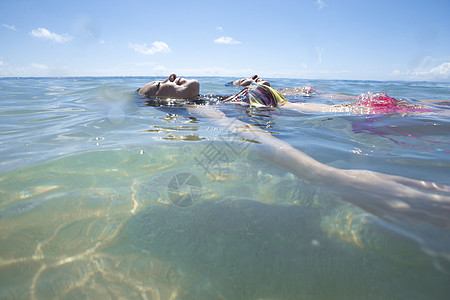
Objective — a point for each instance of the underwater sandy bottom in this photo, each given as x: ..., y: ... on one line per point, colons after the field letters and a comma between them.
x: 150, y: 223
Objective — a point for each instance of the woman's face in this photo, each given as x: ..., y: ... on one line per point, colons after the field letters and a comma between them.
x: 172, y: 87
x: 248, y: 81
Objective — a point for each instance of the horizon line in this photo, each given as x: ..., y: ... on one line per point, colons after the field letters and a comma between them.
x: 210, y: 76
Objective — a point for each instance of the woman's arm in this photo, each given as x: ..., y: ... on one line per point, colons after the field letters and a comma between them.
x: 308, y: 91
x: 381, y: 194
x: 306, y: 106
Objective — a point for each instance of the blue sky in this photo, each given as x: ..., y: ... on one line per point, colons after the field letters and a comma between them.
x: 315, y: 39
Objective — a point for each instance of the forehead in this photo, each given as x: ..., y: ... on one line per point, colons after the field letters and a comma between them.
x: 152, y: 86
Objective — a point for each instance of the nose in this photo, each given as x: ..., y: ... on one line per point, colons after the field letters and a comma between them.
x: 171, y: 78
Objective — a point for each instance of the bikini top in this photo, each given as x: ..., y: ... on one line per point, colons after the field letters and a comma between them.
x: 258, y: 95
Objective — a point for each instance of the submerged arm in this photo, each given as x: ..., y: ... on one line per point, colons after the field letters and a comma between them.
x: 381, y: 194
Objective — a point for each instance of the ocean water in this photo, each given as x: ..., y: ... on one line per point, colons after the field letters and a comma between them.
x: 103, y: 196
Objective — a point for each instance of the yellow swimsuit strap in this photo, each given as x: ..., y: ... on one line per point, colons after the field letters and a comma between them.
x: 264, y: 96
x: 276, y: 95
x: 258, y: 95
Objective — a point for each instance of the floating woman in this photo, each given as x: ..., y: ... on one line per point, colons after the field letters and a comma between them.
x: 386, y: 196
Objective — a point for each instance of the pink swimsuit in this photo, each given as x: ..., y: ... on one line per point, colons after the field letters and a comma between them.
x: 382, y: 103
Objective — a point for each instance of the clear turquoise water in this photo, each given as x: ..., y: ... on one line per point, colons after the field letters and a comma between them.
x: 103, y: 196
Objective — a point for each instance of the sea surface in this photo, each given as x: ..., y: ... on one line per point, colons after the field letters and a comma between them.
x: 105, y: 197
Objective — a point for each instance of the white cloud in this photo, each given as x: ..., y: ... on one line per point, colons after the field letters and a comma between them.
x: 43, y: 33
x: 10, y: 27
x: 39, y: 66
x: 226, y: 40
x: 33, y: 69
x: 220, y: 28
x: 320, y: 4
x: 157, y: 47
x: 440, y: 72
x: 159, y: 68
